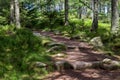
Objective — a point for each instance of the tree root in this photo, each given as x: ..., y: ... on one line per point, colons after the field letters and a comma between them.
x: 106, y: 64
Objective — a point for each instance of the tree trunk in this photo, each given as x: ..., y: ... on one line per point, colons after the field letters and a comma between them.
x: 61, y: 5
x: 12, y: 12
x: 100, y: 7
x: 95, y: 16
x: 80, y: 12
x: 66, y: 12
x: 114, y: 18
x: 17, y: 14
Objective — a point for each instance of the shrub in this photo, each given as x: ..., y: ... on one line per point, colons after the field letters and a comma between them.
x: 26, y: 40
x: 18, y: 50
x: 3, y: 20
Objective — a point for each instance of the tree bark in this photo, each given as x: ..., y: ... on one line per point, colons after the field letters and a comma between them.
x: 61, y: 5
x: 80, y: 12
x: 12, y: 12
x: 95, y: 16
x: 66, y: 12
x: 114, y: 18
x: 17, y: 14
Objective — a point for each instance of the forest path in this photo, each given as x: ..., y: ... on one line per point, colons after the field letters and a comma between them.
x: 82, y: 52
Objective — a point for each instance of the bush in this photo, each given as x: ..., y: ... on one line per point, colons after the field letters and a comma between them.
x: 6, y: 29
x: 18, y: 51
x: 20, y: 39
x: 26, y: 40
x: 3, y: 20
x: 41, y: 20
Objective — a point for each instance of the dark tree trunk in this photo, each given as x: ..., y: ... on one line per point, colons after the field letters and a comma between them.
x: 95, y: 16
x: 114, y: 18
x: 80, y: 12
x: 100, y: 7
x: 66, y: 12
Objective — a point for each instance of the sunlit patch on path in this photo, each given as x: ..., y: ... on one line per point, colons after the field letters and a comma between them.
x: 81, y: 51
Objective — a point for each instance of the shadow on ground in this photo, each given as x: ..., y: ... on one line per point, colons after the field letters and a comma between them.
x: 82, y: 52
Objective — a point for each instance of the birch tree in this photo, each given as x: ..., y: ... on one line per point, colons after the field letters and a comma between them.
x: 12, y: 12
x: 17, y: 14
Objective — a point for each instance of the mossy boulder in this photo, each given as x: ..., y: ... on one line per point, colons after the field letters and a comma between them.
x: 96, y: 42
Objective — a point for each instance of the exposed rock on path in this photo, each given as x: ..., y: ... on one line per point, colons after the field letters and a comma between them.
x: 81, y: 51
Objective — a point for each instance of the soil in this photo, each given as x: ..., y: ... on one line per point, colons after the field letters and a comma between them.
x: 82, y: 51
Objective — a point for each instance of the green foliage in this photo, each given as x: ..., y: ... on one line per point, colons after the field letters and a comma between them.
x: 81, y: 28
x: 3, y: 20
x: 21, y: 39
x: 77, y: 22
x: 114, y: 45
x: 27, y: 40
x: 29, y: 17
x: 6, y: 29
x: 88, y: 23
x: 18, y: 50
x: 50, y: 19
x: 75, y: 25
x: 34, y: 18
x: 12, y: 76
x: 4, y: 12
x: 104, y: 18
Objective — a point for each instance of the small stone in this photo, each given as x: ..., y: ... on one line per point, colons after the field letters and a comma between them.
x: 106, y: 60
x: 37, y: 34
x: 60, y: 65
x: 40, y: 64
x: 59, y: 55
x: 96, y: 42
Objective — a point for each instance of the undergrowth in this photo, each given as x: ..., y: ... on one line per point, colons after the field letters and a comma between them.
x: 81, y: 28
x: 18, y: 49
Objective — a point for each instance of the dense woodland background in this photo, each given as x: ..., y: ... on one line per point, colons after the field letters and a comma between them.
x: 83, y: 19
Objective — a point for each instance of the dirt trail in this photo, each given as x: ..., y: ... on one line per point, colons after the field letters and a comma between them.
x: 82, y: 52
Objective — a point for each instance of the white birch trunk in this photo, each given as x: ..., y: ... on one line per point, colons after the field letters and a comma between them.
x: 12, y: 12
x: 17, y: 14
